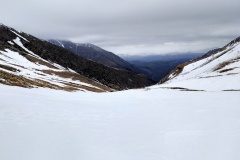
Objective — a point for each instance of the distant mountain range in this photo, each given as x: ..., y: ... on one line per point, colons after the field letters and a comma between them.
x: 31, y: 62
x: 153, y: 66
x: 162, y: 57
x: 28, y: 61
x: 94, y: 53
x: 158, y: 66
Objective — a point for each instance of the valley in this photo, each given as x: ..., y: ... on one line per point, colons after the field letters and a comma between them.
x: 57, y: 105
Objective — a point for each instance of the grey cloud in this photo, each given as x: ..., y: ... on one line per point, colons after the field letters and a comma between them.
x: 129, y: 27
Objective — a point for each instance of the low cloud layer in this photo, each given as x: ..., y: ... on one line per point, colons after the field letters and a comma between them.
x: 129, y: 27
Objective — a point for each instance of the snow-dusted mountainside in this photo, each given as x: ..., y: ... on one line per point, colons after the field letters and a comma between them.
x: 30, y: 62
x: 32, y: 71
x: 21, y: 67
x: 217, y: 70
x: 94, y: 53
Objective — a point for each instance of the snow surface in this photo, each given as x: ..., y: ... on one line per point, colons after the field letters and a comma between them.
x: 19, y: 35
x: 10, y: 42
x: 150, y: 124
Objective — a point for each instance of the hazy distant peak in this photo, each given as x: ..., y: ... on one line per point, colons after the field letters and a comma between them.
x: 89, y: 45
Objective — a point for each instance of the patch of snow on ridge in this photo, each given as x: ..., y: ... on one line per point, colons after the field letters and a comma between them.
x: 71, y: 70
x: 58, y: 66
x: 60, y: 43
x: 10, y: 42
x: 19, y: 35
x: 19, y: 43
x: 15, y: 58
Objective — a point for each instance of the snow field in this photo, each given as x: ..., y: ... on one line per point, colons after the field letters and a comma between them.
x: 44, y: 124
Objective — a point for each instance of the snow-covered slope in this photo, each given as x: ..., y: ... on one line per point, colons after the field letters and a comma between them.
x: 29, y: 62
x: 43, y: 72
x: 219, y: 71
x: 158, y: 124
x: 21, y: 67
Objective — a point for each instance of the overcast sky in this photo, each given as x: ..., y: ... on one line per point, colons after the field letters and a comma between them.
x: 129, y: 26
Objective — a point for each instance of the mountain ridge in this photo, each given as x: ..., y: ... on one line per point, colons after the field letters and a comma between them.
x: 220, y: 66
x: 94, y: 53
x: 28, y: 45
